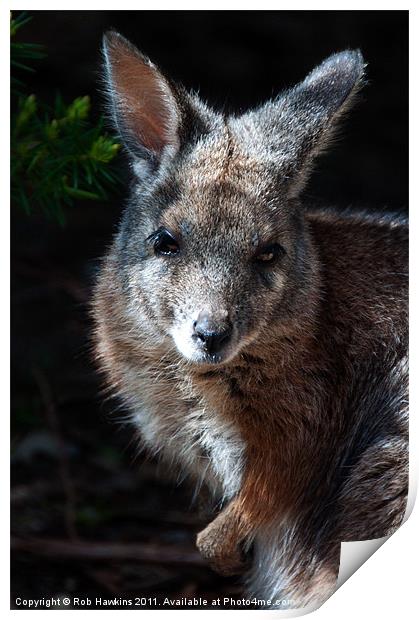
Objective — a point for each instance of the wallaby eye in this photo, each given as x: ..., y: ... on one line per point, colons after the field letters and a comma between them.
x: 269, y: 254
x: 164, y: 243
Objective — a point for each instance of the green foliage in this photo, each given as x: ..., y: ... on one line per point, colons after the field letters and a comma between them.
x: 20, y: 53
x: 58, y: 155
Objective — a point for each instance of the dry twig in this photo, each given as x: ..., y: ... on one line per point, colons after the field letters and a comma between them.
x: 142, y: 552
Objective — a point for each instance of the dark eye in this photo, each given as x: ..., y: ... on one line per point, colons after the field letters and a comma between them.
x: 269, y: 254
x: 164, y: 243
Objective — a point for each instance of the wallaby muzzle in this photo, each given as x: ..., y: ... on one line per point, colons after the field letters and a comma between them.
x: 211, y: 333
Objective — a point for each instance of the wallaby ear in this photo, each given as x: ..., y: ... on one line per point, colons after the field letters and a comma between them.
x: 329, y: 88
x: 298, y: 125
x: 143, y: 105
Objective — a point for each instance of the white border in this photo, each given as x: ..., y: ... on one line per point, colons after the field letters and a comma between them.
x: 386, y: 585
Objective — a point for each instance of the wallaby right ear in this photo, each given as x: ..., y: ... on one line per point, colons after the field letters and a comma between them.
x: 143, y: 104
x: 299, y: 124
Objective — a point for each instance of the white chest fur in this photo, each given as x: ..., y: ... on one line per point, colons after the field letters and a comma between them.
x: 204, y: 445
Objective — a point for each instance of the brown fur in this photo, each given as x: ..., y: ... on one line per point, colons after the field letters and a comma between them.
x: 313, y: 388
x: 293, y: 445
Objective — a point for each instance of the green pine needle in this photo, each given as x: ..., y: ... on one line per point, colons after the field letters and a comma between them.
x: 58, y: 155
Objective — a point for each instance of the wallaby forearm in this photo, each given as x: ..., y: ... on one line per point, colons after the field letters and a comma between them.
x: 222, y: 542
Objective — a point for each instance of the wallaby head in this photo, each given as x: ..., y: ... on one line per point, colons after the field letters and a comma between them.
x: 213, y: 247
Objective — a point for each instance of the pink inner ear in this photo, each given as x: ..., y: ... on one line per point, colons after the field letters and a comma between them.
x: 146, y: 103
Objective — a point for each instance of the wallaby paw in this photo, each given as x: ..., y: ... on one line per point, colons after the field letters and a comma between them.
x: 226, y: 560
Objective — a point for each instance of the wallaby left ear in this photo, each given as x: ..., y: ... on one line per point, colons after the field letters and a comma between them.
x: 297, y: 125
x: 143, y: 104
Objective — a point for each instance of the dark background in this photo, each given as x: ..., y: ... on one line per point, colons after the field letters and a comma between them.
x: 77, y: 479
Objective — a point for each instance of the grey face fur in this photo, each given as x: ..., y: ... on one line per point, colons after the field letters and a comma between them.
x: 212, y: 248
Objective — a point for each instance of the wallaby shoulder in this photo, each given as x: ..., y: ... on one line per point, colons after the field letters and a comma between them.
x: 364, y: 265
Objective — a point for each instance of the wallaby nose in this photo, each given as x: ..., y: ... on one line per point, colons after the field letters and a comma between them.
x: 212, y: 333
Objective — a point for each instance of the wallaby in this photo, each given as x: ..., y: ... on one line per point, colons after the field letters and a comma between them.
x: 258, y: 344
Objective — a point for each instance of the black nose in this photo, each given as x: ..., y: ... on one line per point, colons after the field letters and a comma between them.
x: 211, y: 333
